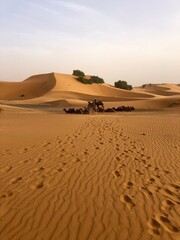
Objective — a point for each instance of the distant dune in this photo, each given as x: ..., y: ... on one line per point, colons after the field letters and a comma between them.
x: 160, y: 89
x: 66, y: 90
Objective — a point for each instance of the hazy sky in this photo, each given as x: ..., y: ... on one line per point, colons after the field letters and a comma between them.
x: 133, y: 40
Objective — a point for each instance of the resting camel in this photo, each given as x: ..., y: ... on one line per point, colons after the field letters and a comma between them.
x: 124, y: 109
x: 77, y: 111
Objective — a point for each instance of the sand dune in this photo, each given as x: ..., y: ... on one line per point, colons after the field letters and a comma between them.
x: 32, y: 87
x: 55, y: 86
x: 89, y: 177
x: 64, y: 90
x: 160, y: 89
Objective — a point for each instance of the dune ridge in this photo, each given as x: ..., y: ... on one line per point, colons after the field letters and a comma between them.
x: 160, y: 89
x: 32, y: 87
x: 65, y: 90
x: 54, y: 85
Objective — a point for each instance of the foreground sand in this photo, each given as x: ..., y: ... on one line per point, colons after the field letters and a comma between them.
x: 106, y: 176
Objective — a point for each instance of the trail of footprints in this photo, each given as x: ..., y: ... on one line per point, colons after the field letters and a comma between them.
x: 123, y: 147
x: 149, y: 186
x: 44, y: 169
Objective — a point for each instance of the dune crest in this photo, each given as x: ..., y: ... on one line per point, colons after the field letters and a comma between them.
x: 33, y: 87
x: 64, y: 90
x: 56, y: 86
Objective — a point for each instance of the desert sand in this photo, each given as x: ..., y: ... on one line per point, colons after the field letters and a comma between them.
x: 98, y: 176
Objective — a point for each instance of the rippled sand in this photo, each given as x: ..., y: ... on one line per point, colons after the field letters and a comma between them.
x: 102, y: 176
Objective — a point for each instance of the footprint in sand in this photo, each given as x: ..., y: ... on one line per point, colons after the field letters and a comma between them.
x: 128, y: 201
x: 117, y: 159
x: 15, y: 180
x: 39, y: 169
x: 37, y: 160
x: 37, y: 185
x: 154, y: 228
x: 167, y: 205
x: 85, y: 153
x: 121, y: 166
x: 6, y: 169
x: 167, y: 225
x: 143, y: 161
x: 56, y: 170
x: 24, y: 150
x: 46, y: 144
x: 116, y: 174
x: 128, y: 185
x: 77, y: 160
x: 176, y: 187
x: 150, y: 181
x: 138, y: 172
x: 146, y: 191
x: 6, y: 194
x: 170, y: 193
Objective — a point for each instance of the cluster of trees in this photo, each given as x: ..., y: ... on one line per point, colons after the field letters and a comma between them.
x: 95, y: 79
x: 123, y: 85
x: 81, y: 77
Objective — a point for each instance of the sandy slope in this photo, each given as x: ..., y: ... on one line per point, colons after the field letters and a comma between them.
x: 32, y: 87
x: 55, y: 86
x: 159, y: 89
x: 89, y: 177
x: 64, y: 90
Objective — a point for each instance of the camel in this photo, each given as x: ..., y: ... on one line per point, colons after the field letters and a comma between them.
x: 92, y: 106
x: 100, y: 105
x: 109, y: 110
x: 76, y: 111
x: 95, y: 105
x: 124, y: 109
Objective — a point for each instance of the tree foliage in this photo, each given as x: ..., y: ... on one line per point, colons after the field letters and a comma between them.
x: 78, y: 73
x: 96, y: 79
x: 123, y: 85
x: 93, y: 79
x: 81, y: 77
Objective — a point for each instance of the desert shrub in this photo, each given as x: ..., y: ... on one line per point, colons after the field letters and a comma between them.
x: 83, y: 80
x: 123, y: 85
x: 96, y: 79
x: 93, y: 79
x: 78, y: 73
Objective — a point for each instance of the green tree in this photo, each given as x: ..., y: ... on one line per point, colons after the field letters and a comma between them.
x: 93, y: 79
x: 78, y: 73
x: 123, y: 85
x: 96, y: 79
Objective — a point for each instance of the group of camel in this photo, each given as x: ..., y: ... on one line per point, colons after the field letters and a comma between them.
x: 97, y: 106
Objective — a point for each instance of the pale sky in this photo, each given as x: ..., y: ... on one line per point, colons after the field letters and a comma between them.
x: 133, y: 40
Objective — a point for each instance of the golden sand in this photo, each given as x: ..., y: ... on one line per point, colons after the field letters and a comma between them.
x: 87, y: 177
